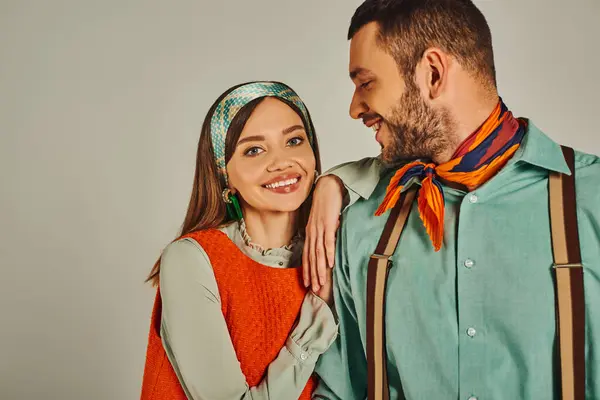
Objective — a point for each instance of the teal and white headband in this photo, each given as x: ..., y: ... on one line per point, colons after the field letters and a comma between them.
x: 231, y: 104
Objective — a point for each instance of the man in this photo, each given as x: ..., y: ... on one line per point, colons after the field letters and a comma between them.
x: 470, y: 302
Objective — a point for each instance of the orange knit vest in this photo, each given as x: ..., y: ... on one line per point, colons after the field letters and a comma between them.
x: 260, y: 305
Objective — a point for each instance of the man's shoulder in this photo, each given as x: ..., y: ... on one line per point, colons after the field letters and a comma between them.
x: 359, y: 218
x: 587, y: 171
x: 585, y: 160
x: 376, y: 193
x: 363, y: 163
x: 587, y: 181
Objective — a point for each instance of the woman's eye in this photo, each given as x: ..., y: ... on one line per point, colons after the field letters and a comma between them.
x: 253, y: 151
x: 295, y: 141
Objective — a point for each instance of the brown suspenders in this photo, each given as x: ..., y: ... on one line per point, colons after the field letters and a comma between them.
x: 379, y: 265
x: 568, y: 287
x: 570, y: 310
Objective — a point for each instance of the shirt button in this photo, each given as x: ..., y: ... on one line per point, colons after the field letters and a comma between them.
x: 280, y: 263
x: 472, y: 398
x: 471, y: 332
x: 303, y: 356
x: 469, y: 263
x: 473, y: 198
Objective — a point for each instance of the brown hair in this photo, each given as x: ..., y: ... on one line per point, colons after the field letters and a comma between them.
x: 206, y: 209
x: 409, y: 27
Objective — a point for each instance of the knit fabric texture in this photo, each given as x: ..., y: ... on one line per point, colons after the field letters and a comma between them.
x: 260, y: 305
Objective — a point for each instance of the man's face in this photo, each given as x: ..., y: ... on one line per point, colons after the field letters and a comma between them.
x: 406, y: 126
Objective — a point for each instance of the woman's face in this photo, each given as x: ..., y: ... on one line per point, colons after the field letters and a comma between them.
x: 273, y: 165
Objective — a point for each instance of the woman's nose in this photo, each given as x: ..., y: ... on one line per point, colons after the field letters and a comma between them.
x: 279, y: 163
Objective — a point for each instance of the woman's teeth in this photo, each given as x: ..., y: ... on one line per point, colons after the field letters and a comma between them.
x: 288, y: 182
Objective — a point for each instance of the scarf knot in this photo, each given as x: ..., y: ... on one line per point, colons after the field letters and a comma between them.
x: 477, y: 159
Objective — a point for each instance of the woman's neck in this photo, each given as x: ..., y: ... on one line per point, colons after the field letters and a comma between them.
x: 271, y: 229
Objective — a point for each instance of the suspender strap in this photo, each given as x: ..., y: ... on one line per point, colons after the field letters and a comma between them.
x: 379, y: 265
x: 570, y: 311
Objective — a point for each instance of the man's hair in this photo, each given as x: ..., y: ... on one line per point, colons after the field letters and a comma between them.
x: 409, y: 27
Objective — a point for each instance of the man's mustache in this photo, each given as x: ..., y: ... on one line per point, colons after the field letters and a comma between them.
x: 368, y: 118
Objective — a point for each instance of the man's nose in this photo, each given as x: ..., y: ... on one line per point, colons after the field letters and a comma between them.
x: 357, y: 106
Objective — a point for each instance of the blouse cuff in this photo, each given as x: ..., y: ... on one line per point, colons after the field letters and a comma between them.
x: 316, y: 330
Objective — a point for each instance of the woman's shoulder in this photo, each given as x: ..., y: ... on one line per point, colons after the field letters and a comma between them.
x: 185, y: 259
x: 219, y: 233
x: 184, y: 249
x: 195, y: 246
x: 186, y: 270
x: 196, y: 239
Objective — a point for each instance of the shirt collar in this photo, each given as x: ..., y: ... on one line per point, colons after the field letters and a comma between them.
x: 539, y: 150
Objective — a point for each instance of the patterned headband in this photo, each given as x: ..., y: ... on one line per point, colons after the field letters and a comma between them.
x: 232, y: 103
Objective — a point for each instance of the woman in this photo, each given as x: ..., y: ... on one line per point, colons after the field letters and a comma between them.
x: 232, y: 319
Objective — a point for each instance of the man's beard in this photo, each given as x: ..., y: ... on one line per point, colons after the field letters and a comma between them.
x: 417, y: 130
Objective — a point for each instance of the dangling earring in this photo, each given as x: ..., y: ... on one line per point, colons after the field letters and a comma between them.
x: 227, y: 195
x: 316, y: 177
x: 232, y: 205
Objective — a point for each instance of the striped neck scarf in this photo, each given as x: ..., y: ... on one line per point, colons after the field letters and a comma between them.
x: 477, y: 159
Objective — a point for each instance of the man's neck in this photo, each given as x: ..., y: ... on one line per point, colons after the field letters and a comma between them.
x: 468, y: 116
x: 270, y: 229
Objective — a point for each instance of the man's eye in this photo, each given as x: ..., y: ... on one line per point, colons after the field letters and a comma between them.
x: 366, y: 85
x: 253, y: 151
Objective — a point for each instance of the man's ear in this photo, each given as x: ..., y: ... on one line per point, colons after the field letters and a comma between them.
x: 433, y: 71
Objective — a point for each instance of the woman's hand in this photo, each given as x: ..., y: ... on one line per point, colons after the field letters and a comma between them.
x: 321, y: 229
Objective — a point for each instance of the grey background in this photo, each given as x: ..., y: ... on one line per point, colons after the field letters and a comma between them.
x: 101, y: 105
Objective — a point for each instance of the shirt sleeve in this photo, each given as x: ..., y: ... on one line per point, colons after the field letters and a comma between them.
x: 197, y: 341
x: 343, y: 368
x: 359, y: 177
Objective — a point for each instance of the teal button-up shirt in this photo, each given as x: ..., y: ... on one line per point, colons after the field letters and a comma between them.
x: 475, y: 320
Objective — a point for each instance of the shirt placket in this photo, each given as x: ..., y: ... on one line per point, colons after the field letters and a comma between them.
x: 469, y: 271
